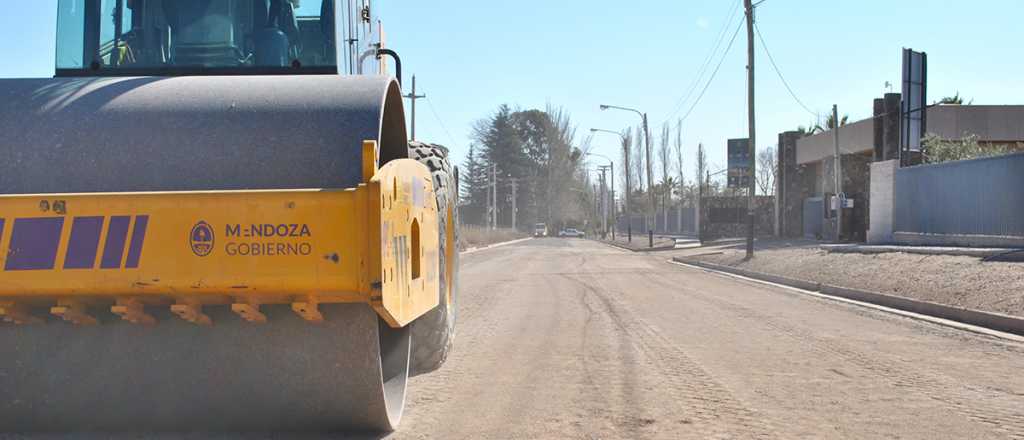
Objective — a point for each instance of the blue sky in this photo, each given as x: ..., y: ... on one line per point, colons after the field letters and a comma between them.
x: 471, y: 56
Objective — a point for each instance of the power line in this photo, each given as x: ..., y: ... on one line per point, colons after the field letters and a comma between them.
x: 707, y: 62
x: 439, y: 121
x: 779, y: 72
x: 715, y: 73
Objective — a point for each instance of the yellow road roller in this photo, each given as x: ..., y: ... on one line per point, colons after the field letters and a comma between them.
x: 211, y: 219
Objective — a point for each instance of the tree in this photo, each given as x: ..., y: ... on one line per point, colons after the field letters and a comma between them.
x: 937, y: 150
x: 679, y: 159
x: 667, y: 182
x: 627, y: 142
x: 568, y: 194
x: 954, y: 100
x: 702, y: 163
x: 767, y: 171
x: 473, y: 188
x: 638, y: 158
x: 830, y: 122
x: 536, y: 150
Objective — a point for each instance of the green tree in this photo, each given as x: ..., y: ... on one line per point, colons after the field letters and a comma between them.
x: 954, y: 100
x: 937, y: 150
x: 535, y: 151
x: 473, y: 188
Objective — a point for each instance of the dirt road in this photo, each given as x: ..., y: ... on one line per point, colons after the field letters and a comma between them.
x: 575, y: 339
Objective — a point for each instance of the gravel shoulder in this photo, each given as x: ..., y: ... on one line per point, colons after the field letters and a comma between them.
x: 960, y: 281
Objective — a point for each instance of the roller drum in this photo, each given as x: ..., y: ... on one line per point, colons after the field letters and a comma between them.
x: 347, y: 373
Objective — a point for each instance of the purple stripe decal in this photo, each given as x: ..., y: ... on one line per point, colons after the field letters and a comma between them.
x: 84, y: 242
x: 34, y: 243
x: 138, y: 237
x: 113, y: 250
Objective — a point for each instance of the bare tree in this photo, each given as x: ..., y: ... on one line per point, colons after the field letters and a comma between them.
x: 667, y: 182
x: 702, y: 163
x: 702, y: 168
x: 627, y: 173
x: 679, y: 158
x: 567, y: 187
x: 638, y: 158
x: 767, y: 170
x: 681, y: 184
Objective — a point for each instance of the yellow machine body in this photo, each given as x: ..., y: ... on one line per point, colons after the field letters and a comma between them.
x: 79, y: 255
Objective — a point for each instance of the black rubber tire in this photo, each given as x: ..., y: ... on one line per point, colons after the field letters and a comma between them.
x: 434, y: 332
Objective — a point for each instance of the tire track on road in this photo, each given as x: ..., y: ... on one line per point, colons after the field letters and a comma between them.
x: 713, y: 410
x: 1005, y: 416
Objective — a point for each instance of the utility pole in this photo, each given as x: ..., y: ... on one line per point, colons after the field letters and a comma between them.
x: 615, y: 218
x: 838, y: 171
x: 604, y: 200
x: 650, y: 176
x: 494, y: 196
x: 750, y: 126
x: 700, y: 205
x: 512, y: 181
x: 629, y: 189
x: 412, y: 96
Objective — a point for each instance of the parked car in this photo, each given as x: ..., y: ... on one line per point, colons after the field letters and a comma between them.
x: 571, y: 232
x: 540, y: 230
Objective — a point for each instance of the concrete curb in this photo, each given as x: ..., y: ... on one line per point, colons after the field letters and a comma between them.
x: 492, y: 246
x: 989, y: 320
x: 921, y: 250
x: 653, y: 249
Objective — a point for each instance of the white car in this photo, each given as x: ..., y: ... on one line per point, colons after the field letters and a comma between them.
x: 571, y: 232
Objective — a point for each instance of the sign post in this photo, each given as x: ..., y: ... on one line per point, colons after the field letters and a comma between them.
x: 913, y: 109
x: 739, y: 163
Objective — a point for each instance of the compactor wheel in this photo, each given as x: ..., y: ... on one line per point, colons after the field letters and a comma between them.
x: 288, y: 375
x: 433, y: 333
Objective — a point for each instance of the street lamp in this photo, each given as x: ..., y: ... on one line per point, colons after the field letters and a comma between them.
x: 626, y: 167
x: 626, y: 200
x: 647, y: 144
x: 611, y: 165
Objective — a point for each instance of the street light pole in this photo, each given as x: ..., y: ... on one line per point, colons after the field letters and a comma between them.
x: 604, y: 201
x: 650, y: 169
x: 611, y: 166
x: 625, y: 200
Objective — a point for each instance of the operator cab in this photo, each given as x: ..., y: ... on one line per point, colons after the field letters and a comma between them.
x: 205, y: 37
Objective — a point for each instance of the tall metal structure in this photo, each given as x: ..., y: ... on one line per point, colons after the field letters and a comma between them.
x: 913, y: 110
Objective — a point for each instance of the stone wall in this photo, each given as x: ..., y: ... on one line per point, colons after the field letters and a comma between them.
x: 726, y: 217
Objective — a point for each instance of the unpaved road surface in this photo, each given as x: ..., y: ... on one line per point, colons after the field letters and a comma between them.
x: 575, y: 339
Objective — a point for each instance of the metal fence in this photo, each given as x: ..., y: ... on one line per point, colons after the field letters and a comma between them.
x: 969, y: 202
x: 687, y: 225
x: 814, y: 217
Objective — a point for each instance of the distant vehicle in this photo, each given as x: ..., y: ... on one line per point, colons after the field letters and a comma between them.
x: 540, y: 230
x: 571, y: 232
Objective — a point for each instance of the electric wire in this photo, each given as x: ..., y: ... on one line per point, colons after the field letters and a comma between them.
x: 441, y: 122
x: 707, y: 62
x: 779, y: 72
x: 714, y: 73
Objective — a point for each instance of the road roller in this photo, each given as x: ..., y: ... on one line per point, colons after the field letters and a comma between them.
x: 212, y: 220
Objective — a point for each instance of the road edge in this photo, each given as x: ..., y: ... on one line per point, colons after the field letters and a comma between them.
x: 492, y: 246
x: 653, y: 249
x: 976, y: 321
